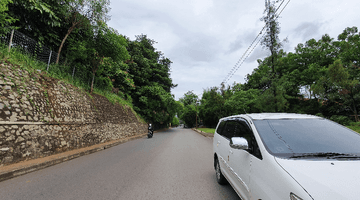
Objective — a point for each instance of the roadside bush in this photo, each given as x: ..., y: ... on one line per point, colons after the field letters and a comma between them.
x: 320, y: 115
x: 343, y: 120
x: 175, y: 122
x: 189, y: 115
x: 354, y: 123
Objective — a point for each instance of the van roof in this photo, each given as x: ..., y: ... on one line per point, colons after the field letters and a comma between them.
x: 262, y: 116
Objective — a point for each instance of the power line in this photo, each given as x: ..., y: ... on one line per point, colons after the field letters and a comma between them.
x: 256, y: 41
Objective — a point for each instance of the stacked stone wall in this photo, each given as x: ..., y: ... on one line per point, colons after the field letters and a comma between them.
x: 41, y: 116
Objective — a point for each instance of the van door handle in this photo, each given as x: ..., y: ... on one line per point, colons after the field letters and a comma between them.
x: 218, y: 142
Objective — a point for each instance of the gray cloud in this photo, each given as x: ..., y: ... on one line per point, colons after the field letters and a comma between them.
x: 307, y: 30
x: 236, y: 45
x: 258, y: 53
x: 197, y: 48
x: 242, y: 41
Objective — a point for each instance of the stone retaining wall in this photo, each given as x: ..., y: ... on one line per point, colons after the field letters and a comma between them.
x: 41, y: 116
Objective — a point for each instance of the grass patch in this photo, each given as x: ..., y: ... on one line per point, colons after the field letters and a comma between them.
x: 113, y: 98
x: 355, y: 126
x: 207, y: 130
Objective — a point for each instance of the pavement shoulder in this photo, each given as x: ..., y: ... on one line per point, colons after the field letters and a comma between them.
x: 203, y: 133
x: 24, y: 167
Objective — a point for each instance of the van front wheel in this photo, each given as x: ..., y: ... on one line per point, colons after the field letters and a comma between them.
x: 219, y: 176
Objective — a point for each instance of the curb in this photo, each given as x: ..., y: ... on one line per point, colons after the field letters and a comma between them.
x: 22, y: 168
x: 203, y: 133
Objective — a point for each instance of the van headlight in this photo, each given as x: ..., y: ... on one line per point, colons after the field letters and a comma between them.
x: 294, y: 197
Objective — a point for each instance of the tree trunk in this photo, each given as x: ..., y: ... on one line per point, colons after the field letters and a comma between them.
x: 95, y: 68
x: 63, y: 41
x: 356, y: 115
x: 92, y: 83
x: 61, y: 45
x: 355, y: 110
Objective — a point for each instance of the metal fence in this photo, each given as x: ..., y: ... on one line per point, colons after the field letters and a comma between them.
x: 16, y: 39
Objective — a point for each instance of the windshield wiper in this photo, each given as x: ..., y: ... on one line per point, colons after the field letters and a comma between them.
x: 325, y: 155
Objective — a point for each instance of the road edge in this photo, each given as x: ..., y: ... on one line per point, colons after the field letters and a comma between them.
x: 203, y: 133
x: 29, y: 166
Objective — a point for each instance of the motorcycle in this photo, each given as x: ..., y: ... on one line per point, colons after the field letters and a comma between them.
x: 150, y: 131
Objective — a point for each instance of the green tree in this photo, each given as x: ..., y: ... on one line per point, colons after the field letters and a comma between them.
x: 311, y: 61
x: 272, y: 42
x: 156, y: 105
x: 179, y: 108
x: 148, y: 65
x: 39, y: 19
x: 260, y: 78
x: 349, y: 50
x: 101, y: 56
x: 189, y: 98
x: 242, y: 102
x: 294, y: 71
x: 175, y: 122
x: 212, y: 105
x: 151, y: 74
x: 189, y: 115
x: 79, y: 53
x: 338, y: 86
x: 84, y: 13
x: 109, y: 57
x: 274, y: 93
x: 271, y: 39
x: 5, y: 19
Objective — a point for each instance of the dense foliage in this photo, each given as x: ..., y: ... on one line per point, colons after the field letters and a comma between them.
x: 5, y: 18
x: 97, y: 55
x: 189, y: 109
x: 320, y: 77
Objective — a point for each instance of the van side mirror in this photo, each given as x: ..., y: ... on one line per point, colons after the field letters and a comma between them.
x: 239, y: 143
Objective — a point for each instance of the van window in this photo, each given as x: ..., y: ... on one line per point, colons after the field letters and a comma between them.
x: 220, y: 128
x: 243, y: 130
x: 293, y: 137
x: 230, y: 129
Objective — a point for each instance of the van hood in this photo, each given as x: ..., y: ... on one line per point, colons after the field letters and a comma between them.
x: 325, y: 179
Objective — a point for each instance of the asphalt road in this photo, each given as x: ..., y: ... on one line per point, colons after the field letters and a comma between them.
x: 175, y: 164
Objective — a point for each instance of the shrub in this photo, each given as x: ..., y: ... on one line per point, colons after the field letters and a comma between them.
x: 320, y: 115
x: 175, y: 122
x: 343, y: 120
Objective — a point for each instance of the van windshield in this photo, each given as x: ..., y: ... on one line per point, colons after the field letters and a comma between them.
x: 299, y: 137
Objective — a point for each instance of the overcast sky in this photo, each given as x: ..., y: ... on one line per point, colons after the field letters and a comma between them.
x: 205, y: 38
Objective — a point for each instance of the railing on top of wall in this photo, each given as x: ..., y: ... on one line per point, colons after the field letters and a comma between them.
x: 29, y: 45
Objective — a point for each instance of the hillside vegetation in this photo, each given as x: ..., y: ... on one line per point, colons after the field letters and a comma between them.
x: 321, y: 77
x: 92, y: 55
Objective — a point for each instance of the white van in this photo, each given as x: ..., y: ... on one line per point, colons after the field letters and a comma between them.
x: 273, y: 156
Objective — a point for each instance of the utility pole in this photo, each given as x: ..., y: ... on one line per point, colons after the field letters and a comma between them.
x: 272, y: 42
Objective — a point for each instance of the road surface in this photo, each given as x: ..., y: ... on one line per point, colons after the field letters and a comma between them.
x: 174, y: 164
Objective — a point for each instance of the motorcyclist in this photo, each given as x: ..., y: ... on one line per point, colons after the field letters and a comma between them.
x: 151, y: 130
